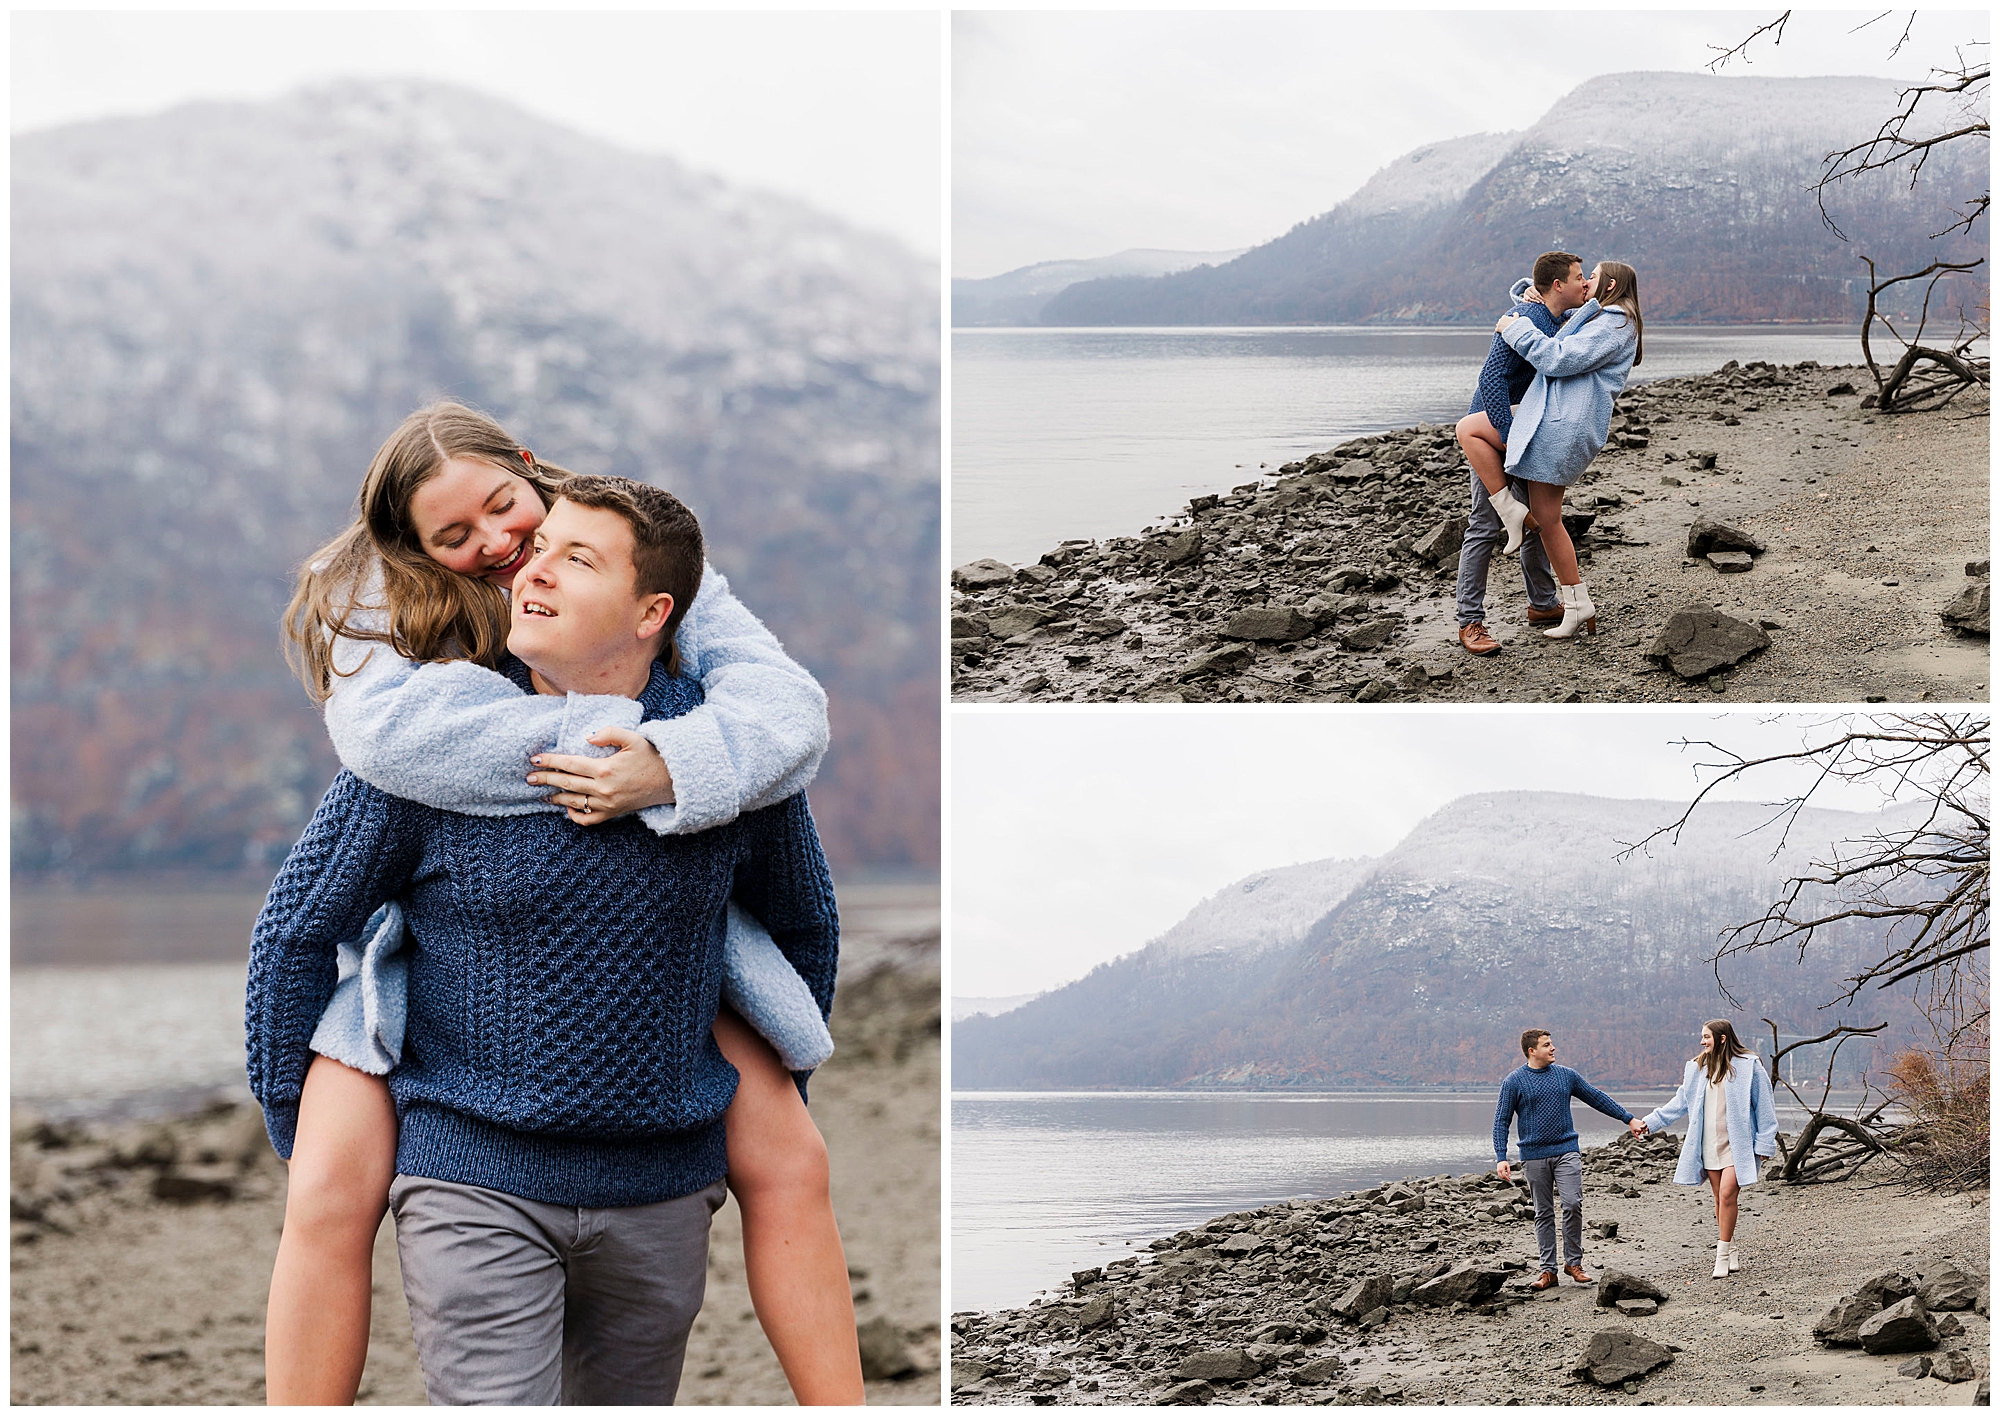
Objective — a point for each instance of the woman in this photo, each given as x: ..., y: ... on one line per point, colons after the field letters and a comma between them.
x: 1732, y: 1123
x: 395, y: 626
x: 1566, y: 415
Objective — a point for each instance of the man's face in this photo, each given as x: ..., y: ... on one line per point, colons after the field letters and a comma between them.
x: 576, y: 603
x: 1570, y: 291
x: 1543, y: 1052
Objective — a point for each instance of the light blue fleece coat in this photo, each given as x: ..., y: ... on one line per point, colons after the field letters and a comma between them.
x: 1566, y: 414
x: 1753, y: 1119
x: 458, y: 736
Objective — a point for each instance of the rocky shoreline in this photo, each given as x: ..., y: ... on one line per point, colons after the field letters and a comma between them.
x: 1418, y: 1292
x: 1754, y: 534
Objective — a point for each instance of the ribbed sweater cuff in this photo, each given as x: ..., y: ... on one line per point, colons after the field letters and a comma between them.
x: 560, y: 1170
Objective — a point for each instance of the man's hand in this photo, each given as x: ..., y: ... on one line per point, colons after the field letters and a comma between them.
x: 594, y: 790
x: 1504, y: 1171
x: 1505, y: 320
x: 1638, y: 1127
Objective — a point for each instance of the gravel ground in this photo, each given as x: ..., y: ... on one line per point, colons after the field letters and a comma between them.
x: 1869, y: 525
x: 1746, y: 1340
x: 123, y: 1298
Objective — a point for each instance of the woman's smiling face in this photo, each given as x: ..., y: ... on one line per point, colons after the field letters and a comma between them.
x: 477, y: 519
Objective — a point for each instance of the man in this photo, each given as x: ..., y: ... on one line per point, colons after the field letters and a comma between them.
x: 1539, y: 1093
x: 560, y: 1097
x: 1559, y: 288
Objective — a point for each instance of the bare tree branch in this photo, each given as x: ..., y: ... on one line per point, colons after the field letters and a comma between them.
x: 1723, y: 56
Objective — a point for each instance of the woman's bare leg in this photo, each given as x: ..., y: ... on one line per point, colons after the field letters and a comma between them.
x: 1485, y: 449
x: 343, y: 1158
x: 791, y: 1246
x: 1545, y: 502
x: 1723, y: 1183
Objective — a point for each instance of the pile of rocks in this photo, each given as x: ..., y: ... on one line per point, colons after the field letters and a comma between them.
x: 1303, y: 584
x: 62, y: 1171
x: 1970, y: 612
x: 1894, y: 1313
x: 1292, y: 1302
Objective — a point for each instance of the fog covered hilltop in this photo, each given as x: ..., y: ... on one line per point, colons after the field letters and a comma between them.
x: 221, y: 310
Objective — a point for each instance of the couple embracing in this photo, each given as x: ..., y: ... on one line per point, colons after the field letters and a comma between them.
x: 1732, y: 1124
x: 1541, y: 414
x: 554, y: 957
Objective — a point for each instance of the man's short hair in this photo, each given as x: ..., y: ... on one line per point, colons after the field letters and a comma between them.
x: 666, y: 542
x: 1531, y: 1038
x: 1551, y: 266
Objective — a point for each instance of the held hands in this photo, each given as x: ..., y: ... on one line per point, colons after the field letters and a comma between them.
x: 593, y: 790
x: 1637, y: 1126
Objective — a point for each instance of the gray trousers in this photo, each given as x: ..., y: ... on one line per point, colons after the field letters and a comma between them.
x: 518, y: 1303
x: 1557, y: 1177
x: 1484, y: 534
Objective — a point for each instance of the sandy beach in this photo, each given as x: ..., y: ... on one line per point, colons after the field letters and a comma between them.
x: 1330, y: 581
x: 142, y: 1250
x: 1247, y: 1309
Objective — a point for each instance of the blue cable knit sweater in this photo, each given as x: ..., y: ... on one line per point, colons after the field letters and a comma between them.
x: 1505, y: 376
x: 563, y: 981
x: 1541, y: 1100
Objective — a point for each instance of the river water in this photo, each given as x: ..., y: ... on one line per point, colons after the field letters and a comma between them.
x: 1070, y: 433
x: 1046, y: 1183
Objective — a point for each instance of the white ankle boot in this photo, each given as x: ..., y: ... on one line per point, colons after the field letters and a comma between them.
x: 1578, y: 612
x: 1734, y: 1262
x: 1513, y: 515
x: 1721, y: 1260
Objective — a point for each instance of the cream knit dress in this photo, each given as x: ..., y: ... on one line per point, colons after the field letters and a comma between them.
x: 1715, y: 1129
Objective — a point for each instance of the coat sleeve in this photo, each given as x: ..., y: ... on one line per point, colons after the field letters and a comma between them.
x: 1763, y: 1111
x: 1584, y: 344
x: 758, y: 737
x: 1662, y: 1117
x: 782, y: 879
x: 1503, y: 1117
x: 357, y: 852
x: 1596, y: 1100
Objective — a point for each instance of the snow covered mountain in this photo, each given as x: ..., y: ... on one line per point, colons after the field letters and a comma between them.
x: 1016, y: 297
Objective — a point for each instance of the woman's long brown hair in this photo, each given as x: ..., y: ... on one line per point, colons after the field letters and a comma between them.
x: 425, y: 612
x: 1625, y: 281
x: 1728, y: 1047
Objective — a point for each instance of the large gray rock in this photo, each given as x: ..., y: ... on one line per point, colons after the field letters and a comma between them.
x: 1949, y: 1291
x: 1372, y: 635
x: 1971, y: 610
x: 1183, y: 549
x: 982, y: 575
x: 1187, y: 1394
x: 1706, y: 535
x: 1730, y: 562
x: 964, y: 626
x: 1887, y: 1287
x: 1237, y: 1245
x: 1221, y: 1364
x: 1444, y: 540
x: 1274, y: 624
x: 1468, y: 1283
x: 1016, y: 619
x: 1700, y: 639
x: 1617, y: 1355
x: 1226, y: 660
x: 1840, y: 1326
x: 1614, y: 1284
x: 1363, y: 1297
x: 1097, y: 1312
x: 1900, y: 1327
x: 1953, y: 1366
x: 1317, y: 1371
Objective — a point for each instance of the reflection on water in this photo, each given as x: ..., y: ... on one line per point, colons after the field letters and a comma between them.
x: 1045, y: 1183
x: 1061, y: 433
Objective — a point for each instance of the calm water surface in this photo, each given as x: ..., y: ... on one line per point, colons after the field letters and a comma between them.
x: 1066, y: 433
x: 1045, y: 1183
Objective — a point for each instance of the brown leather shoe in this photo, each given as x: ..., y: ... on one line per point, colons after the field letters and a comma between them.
x: 1547, y: 1280
x: 1577, y: 1275
x: 1477, y: 641
x: 1552, y: 615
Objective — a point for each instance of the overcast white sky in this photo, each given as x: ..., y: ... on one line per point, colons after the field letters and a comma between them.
x: 841, y: 110
x: 1078, y: 836
x: 1080, y: 135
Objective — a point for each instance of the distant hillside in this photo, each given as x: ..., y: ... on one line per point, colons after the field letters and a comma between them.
x: 1017, y: 297
x: 220, y: 311
x: 1500, y: 912
x: 1698, y: 182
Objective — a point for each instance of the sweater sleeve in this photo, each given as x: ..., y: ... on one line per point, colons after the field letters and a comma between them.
x: 1583, y: 344
x: 782, y: 879
x: 1763, y: 1111
x: 1503, y: 1117
x: 1596, y: 1100
x: 1677, y: 1106
x: 358, y: 851
x: 757, y: 738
